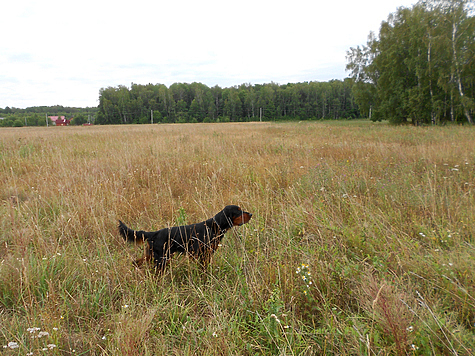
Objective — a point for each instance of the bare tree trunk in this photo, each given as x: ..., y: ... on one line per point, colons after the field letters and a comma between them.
x: 457, y: 71
x: 432, y: 114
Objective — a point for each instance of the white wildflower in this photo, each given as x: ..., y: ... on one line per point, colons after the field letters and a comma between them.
x: 13, y: 345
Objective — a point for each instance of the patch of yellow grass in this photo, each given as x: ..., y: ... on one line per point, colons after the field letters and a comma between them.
x: 366, y: 206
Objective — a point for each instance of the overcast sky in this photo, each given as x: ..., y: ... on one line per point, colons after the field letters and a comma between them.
x: 63, y: 52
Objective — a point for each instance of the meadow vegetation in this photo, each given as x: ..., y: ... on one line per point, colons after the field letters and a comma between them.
x: 361, y: 242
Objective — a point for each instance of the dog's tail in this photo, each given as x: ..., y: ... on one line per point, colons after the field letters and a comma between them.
x: 130, y: 235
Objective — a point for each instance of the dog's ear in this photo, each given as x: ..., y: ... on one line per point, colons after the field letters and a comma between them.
x: 224, y: 218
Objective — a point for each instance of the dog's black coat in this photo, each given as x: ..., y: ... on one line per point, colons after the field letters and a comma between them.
x: 199, y: 240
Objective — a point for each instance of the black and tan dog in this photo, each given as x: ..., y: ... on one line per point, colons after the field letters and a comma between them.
x: 199, y: 240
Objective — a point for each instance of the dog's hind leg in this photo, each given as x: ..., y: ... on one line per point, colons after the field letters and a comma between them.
x: 147, y: 255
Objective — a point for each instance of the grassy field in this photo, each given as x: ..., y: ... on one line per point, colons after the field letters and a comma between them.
x: 361, y: 243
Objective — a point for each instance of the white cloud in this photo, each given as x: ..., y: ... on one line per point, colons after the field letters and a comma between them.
x: 62, y: 53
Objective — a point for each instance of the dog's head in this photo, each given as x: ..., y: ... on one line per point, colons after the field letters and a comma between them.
x: 232, y: 215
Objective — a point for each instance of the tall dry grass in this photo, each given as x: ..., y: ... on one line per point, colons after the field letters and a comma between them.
x: 361, y: 240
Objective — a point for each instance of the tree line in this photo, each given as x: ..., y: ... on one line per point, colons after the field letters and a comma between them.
x: 421, y: 66
x: 38, y: 115
x: 196, y: 102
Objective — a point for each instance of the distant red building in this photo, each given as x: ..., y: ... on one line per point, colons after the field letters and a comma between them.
x: 63, y: 122
x: 60, y: 120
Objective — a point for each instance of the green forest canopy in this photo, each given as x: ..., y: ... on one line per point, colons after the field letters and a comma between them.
x: 196, y: 102
x: 421, y: 67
